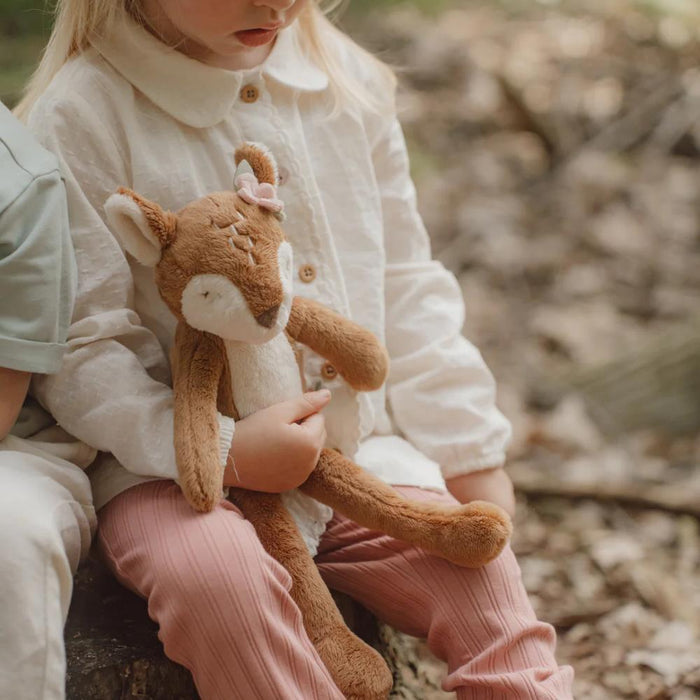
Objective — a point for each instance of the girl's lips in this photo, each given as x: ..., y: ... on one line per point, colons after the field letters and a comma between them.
x: 256, y: 37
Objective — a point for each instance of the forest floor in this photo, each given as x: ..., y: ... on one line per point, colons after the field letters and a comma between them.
x: 555, y: 149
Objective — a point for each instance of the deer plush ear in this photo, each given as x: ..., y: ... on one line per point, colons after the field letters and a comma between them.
x: 141, y: 226
x: 261, y: 161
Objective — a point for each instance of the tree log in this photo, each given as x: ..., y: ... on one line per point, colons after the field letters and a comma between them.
x: 112, y: 648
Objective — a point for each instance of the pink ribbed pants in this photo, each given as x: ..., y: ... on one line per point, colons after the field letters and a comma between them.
x: 225, y: 613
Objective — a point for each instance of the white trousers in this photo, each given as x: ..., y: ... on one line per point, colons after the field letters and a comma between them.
x: 46, y: 524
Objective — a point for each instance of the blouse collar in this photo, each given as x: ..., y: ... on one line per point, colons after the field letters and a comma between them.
x: 193, y: 92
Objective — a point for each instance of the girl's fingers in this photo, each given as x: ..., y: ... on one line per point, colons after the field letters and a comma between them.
x: 306, y: 405
x: 314, y: 425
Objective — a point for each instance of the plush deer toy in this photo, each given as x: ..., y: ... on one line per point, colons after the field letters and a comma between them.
x: 224, y: 268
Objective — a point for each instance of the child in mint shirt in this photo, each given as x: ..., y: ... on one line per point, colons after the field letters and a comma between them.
x: 46, y: 514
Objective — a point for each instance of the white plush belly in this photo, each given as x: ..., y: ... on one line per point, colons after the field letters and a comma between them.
x: 262, y: 374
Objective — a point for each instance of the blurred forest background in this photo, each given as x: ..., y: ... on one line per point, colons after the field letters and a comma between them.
x: 555, y: 148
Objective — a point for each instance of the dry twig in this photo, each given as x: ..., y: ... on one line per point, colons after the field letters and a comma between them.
x: 676, y: 498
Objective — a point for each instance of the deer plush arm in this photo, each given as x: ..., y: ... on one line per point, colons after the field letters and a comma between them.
x: 197, y: 364
x: 355, y: 352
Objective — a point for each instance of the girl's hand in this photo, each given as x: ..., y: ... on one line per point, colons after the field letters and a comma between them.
x: 492, y: 485
x: 277, y: 448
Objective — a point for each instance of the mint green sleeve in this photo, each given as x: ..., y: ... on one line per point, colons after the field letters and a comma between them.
x: 37, y: 274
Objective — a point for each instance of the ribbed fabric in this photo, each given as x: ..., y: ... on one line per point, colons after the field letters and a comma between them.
x: 478, y: 620
x: 222, y: 603
x: 225, y: 613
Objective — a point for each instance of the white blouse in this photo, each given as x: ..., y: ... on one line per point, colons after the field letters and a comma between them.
x: 131, y: 112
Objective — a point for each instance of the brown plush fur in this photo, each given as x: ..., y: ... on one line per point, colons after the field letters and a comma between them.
x: 352, y: 350
x: 357, y: 669
x: 194, y: 242
x: 197, y: 365
x: 162, y: 223
x: 256, y: 155
x: 468, y: 535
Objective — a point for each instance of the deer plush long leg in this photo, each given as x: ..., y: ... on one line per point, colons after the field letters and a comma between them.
x: 357, y: 669
x: 469, y: 535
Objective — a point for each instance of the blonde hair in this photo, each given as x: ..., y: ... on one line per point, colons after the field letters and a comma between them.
x: 77, y: 20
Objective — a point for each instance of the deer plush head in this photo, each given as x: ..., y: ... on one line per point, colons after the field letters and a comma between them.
x: 222, y: 263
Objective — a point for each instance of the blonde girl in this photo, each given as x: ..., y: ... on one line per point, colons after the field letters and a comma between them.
x: 156, y: 95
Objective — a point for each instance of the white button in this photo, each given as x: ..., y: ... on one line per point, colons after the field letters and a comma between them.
x: 283, y: 175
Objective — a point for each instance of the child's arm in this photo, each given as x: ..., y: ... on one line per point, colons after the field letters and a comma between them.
x: 112, y: 390
x: 492, y: 485
x: 440, y: 391
x: 13, y: 390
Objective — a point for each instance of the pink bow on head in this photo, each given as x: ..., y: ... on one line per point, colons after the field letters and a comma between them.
x: 261, y: 193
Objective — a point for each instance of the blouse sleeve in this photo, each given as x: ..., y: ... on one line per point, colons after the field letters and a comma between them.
x: 440, y: 391
x: 112, y: 390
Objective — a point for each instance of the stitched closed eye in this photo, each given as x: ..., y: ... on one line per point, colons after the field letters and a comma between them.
x: 223, y: 225
x: 242, y: 239
x: 242, y: 243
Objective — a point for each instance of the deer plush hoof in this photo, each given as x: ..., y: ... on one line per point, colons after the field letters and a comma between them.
x: 475, y: 534
x: 358, y: 670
